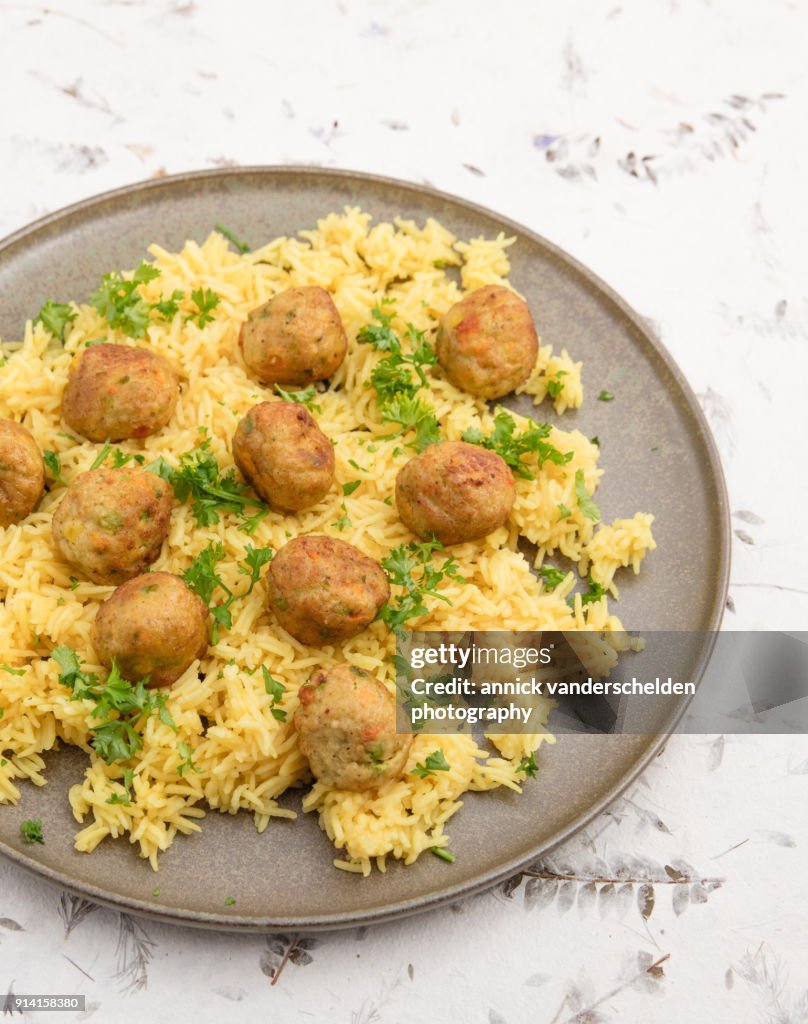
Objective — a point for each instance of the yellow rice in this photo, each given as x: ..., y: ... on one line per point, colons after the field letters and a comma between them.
x: 246, y: 758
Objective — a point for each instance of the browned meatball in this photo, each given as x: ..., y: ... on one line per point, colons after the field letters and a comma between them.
x: 285, y: 456
x: 152, y: 626
x: 295, y: 338
x: 112, y: 522
x: 22, y: 473
x: 454, y: 491
x: 346, y: 727
x: 323, y: 590
x: 116, y: 392
x: 487, y: 343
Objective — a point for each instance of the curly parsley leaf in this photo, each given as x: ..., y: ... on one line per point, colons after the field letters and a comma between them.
x: 203, y: 578
x: 116, y: 739
x: 205, y: 301
x: 551, y: 576
x: 436, y: 762
x: 211, y: 492
x: 55, y: 316
x: 399, y: 376
x: 412, y: 414
x: 512, y: 446
x: 556, y: 385
x: 168, y: 308
x: 305, y: 397
x: 593, y: 593
x: 276, y: 690
x: 585, y: 503
x: 410, y: 567
x: 31, y: 831
x: 120, y: 303
x: 186, y: 752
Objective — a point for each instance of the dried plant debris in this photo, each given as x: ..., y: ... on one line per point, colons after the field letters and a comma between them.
x: 674, y: 150
x: 134, y: 953
x: 613, y: 887
x: 284, y: 949
x: 73, y: 910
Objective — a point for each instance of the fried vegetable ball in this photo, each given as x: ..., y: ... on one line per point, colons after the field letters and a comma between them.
x: 487, y: 343
x: 346, y: 725
x: 285, y: 456
x: 295, y: 338
x: 456, y: 491
x: 323, y: 590
x: 22, y: 473
x: 111, y: 523
x: 115, y: 392
x: 154, y: 626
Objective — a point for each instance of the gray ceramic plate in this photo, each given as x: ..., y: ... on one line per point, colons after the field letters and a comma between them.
x: 285, y: 878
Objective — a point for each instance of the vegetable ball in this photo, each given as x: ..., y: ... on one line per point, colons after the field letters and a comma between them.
x: 487, y: 343
x: 323, y: 590
x: 154, y: 626
x: 111, y: 523
x: 22, y: 473
x: 295, y: 338
x: 116, y: 392
x: 285, y: 456
x: 346, y: 725
x: 454, y: 491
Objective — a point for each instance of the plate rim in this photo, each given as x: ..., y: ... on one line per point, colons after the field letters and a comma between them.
x: 712, y: 463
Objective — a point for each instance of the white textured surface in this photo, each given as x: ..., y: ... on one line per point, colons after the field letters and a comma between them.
x: 542, y: 112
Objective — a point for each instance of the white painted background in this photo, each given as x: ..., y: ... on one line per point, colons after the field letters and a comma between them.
x: 661, y: 142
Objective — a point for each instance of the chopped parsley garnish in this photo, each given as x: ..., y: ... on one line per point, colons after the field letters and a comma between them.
x: 585, y: 503
x: 556, y: 385
x: 120, y: 303
x: 53, y: 462
x: 212, y: 492
x: 595, y: 440
x: 229, y: 902
x: 186, y: 752
x: 168, y: 308
x: 593, y: 593
x: 410, y: 567
x: 116, y: 739
x: 350, y: 487
x: 563, y: 511
x: 551, y: 576
x: 125, y: 798
x: 202, y: 577
x: 276, y: 690
x: 436, y: 762
x: 236, y: 242
x: 55, y: 316
x: 121, y: 458
x: 305, y: 397
x: 343, y: 523
x: 443, y: 853
x: 605, y: 396
x: 399, y: 376
x: 528, y: 766
x: 12, y: 671
x: 512, y: 446
x: 31, y: 831
x: 205, y: 301
x: 412, y: 414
